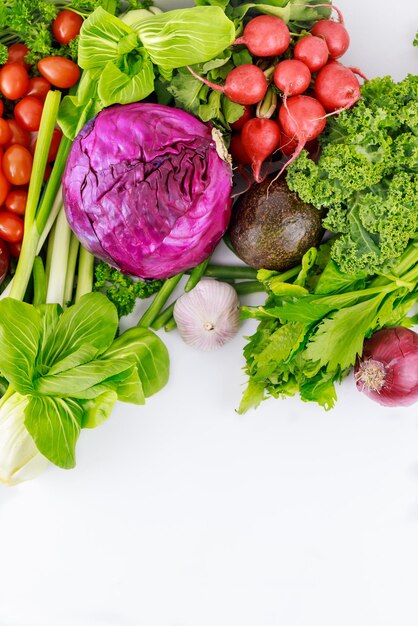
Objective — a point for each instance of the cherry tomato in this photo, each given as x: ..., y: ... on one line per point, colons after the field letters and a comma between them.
x: 11, y: 227
x: 4, y: 260
x: 14, y: 248
x: 60, y: 72
x: 1, y: 108
x: 17, y: 165
x: 19, y: 136
x: 16, y: 201
x: 28, y: 113
x: 4, y: 187
x: 17, y: 53
x: 5, y: 132
x: 14, y: 81
x: 66, y: 26
x: 38, y: 87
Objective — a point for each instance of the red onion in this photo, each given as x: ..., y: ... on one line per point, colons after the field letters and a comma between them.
x: 387, y: 371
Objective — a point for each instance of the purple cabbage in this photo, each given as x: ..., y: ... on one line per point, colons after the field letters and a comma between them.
x: 146, y: 191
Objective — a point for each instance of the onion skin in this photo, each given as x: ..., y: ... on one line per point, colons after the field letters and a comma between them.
x: 387, y: 371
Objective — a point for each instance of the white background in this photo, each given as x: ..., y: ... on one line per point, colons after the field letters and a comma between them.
x: 183, y: 513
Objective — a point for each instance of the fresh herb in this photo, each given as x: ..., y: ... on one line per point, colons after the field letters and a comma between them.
x: 312, y: 330
x: 66, y: 369
x: 122, y: 289
x: 367, y: 176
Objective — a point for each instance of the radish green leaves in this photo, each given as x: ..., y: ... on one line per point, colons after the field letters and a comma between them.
x: 66, y: 369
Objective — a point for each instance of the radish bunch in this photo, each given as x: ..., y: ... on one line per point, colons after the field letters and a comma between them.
x: 306, y: 74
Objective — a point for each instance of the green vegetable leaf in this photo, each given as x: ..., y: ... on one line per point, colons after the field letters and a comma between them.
x: 54, y: 424
x: 81, y: 381
x: 231, y: 110
x: 339, y: 338
x: 104, y: 38
x: 93, y: 320
x: 97, y: 410
x: 149, y: 353
x: 117, y: 87
x: 186, y: 36
x: 20, y: 335
x: 319, y: 389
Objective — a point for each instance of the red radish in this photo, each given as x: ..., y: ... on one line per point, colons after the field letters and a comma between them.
x: 247, y: 115
x: 335, y: 35
x: 260, y: 138
x: 238, y: 151
x: 288, y: 146
x: 336, y: 87
x: 265, y: 36
x: 292, y: 77
x: 302, y: 118
x: 245, y: 84
x: 313, y: 51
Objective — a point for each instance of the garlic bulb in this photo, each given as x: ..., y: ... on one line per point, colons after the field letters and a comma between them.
x: 208, y: 315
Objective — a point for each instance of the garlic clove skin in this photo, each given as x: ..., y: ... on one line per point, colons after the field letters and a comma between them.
x: 208, y: 315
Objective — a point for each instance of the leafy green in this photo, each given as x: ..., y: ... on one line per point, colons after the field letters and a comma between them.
x: 121, y: 289
x: 309, y: 336
x: 69, y: 370
x: 367, y: 176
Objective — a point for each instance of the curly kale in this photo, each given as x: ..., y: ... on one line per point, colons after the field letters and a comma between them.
x: 122, y: 289
x: 366, y: 176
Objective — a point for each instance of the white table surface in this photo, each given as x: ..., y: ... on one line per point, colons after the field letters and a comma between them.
x: 184, y: 513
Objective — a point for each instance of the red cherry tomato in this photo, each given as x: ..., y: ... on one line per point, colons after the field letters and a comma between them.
x: 19, y: 136
x: 28, y: 113
x: 55, y: 144
x: 5, y: 132
x: 1, y: 108
x: 16, y: 54
x: 16, y: 201
x: 17, y: 165
x: 66, y: 26
x: 14, y: 81
x: 38, y: 87
x: 4, y: 187
x: 14, y: 248
x: 60, y: 72
x: 4, y: 260
x: 11, y: 227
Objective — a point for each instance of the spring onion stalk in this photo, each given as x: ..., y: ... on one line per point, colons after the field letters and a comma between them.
x: 32, y: 231
x: 71, y: 267
x: 39, y: 282
x: 57, y: 258
x: 247, y: 287
x: 85, y: 273
x: 171, y: 325
x: 230, y: 271
x: 163, y: 318
x: 159, y: 301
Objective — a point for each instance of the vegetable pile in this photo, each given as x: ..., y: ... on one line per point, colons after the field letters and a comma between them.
x: 123, y: 132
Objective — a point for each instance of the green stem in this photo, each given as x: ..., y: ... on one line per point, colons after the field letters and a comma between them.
x: 32, y: 233
x: 71, y: 266
x: 195, y: 276
x: 39, y: 282
x: 163, y: 317
x: 85, y: 273
x: 171, y: 325
x: 230, y: 271
x: 58, y: 259
x: 248, y: 286
x: 159, y: 301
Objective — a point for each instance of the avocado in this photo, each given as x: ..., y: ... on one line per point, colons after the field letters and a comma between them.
x: 272, y: 228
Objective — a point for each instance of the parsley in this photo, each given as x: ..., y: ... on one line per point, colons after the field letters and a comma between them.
x: 308, y: 338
